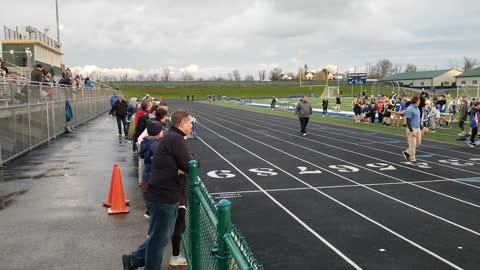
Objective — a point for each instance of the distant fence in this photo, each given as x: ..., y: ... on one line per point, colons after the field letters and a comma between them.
x: 33, y: 114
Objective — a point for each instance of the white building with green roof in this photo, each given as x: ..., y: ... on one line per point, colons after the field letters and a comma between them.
x: 471, y: 77
x: 426, y: 79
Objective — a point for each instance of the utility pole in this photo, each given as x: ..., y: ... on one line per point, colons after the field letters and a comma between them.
x: 58, y: 24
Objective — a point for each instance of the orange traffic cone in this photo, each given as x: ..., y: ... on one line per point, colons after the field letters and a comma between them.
x: 118, y: 203
x: 116, y: 178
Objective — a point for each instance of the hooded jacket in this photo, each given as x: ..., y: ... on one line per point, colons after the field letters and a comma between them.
x: 147, y: 149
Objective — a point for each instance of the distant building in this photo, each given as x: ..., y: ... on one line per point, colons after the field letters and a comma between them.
x: 426, y: 79
x: 26, y: 49
x: 469, y: 77
x: 308, y: 77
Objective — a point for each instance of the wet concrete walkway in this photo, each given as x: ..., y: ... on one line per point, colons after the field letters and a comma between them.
x: 59, y: 223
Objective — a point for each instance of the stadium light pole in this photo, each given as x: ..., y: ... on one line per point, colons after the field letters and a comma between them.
x: 58, y: 24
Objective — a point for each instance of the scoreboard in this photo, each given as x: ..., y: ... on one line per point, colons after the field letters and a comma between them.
x: 357, y: 78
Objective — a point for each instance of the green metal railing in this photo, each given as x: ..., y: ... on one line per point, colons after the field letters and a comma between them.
x: 211, y: 241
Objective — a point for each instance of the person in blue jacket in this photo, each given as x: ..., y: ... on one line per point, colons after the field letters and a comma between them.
x: 474, y: 114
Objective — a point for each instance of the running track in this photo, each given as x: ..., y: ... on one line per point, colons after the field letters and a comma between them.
x: 339, y: 198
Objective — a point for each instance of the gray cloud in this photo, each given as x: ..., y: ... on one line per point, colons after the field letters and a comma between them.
x: 218, y: 36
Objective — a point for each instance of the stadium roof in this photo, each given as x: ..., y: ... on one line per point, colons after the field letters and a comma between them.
x: 416, y: 75
x: 471, y: 73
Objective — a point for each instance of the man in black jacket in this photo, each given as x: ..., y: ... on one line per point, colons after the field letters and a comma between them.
x: 167, y: 187
x: 120, y: 110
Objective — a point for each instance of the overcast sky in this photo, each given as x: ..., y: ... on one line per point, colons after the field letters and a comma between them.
x: 213, y: 37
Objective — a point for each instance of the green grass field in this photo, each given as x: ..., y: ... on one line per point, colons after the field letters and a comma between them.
x: 201, y: 93
x: 444, y: 135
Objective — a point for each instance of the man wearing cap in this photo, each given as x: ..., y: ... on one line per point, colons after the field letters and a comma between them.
x: 167, y: 187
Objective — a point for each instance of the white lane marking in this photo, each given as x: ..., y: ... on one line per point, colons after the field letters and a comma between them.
x: 356, y: 153
x: 352, y: 263
x: 330, y: 187
x: 331, y: 198
x: 400, y: 147
x: 371, y: 189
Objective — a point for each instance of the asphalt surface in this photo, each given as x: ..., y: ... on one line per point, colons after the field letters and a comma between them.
x: 54, y: 219
x: 339, y: 198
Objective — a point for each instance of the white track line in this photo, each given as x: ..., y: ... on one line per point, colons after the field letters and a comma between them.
x: 332, y: 187
x: 343, y: 177
x: 355, y: 153
x: 352, y: 263
x: 385, y: 151
x: 339, y: 132
x: 335, y: 200
x: 376, y: 136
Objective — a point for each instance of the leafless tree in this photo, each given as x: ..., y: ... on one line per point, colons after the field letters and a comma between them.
x: 187, y: 76
x: 261, y: 75
x: 397, y: 68
x: 220, y: 79
x: 166, y: 74
x: 153, y: 77
x: 124, y: 77
x: 411, y: 68
x: 140, y: 77
x: 384, y: 68
x: 249, y: 78
x: 230, y: 76
x: 469, y: 63
x: 275, y: 74
x: 236, y: 75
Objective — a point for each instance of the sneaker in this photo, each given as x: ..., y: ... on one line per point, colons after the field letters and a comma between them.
x: 461, y: 134
x: 126, y: 262
x: 472, y: 145
x: 120, y: 135
x: 406, y: 155
x: 304, y: 134
x: 432, y: 131
x: 147, y: 214
x: 413, y: 163
x: 178, y: 261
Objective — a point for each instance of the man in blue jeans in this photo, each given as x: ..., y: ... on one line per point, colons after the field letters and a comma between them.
x: 164, y: 191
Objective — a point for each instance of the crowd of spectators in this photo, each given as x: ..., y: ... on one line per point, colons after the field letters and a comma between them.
x: 435, y: 112
x: 158, y: 151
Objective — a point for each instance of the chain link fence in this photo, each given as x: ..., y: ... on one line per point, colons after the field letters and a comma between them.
x: 33, y: 114
x: 210, y: 241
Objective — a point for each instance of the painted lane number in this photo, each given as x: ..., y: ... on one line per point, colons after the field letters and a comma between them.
x: 421, y: 165
x: 221, y: 174
x: 263, y: 171
x: 381, y: 166
x: 344, y: 168
x: 455, y: 162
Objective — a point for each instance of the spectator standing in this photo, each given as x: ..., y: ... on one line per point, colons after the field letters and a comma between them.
x: 373, y: 111
x: 381, y: 109
x: 413, y: 130
x: 338, y: 104
x: 120, y: 111
x: 36, y: 76
x: 325, y: 106
x: 474, y: 115
x: 273, y: 103
x: 303, y: 110
x: 463, y: 108
x: 164, y: 192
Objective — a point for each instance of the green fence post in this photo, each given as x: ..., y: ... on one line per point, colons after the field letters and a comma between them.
x: 224, y: 210
x: 194, y: 204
